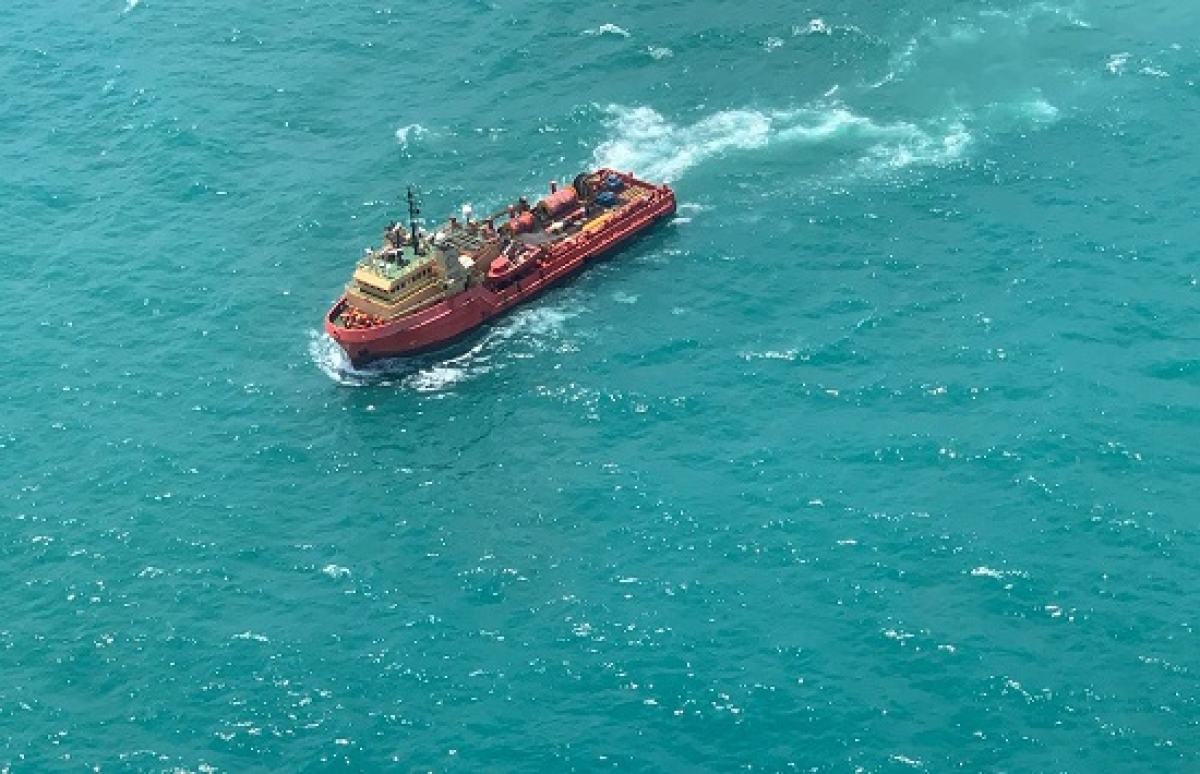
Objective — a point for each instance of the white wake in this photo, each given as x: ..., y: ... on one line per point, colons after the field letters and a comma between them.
x: 645, y: 142
x: 511, y: 338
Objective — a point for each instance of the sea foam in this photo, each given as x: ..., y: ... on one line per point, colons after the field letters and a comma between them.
x: 533, y: 328
x: 647, y: 143
x: 608, y: 29
x: 410, y: 132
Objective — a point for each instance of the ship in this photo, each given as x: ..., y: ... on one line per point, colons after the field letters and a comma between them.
x: 425, y: 289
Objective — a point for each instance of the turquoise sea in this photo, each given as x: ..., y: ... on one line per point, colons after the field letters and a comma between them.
x: 880, y: 457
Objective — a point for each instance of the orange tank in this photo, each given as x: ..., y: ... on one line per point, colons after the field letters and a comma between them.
x: 522, y: 223
x: 560, y: 201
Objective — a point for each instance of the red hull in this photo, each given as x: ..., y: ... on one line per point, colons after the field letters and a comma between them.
x: 453, y: 317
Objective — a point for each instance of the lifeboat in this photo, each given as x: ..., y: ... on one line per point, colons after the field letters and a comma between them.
x: 508, y: 268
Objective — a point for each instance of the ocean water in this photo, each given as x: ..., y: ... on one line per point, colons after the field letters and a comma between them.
x: 881, y: 457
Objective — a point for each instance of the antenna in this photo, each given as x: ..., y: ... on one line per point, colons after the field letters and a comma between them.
x: 414, y: 214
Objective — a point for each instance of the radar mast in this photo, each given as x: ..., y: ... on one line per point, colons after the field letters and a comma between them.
x: 414, y: 217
